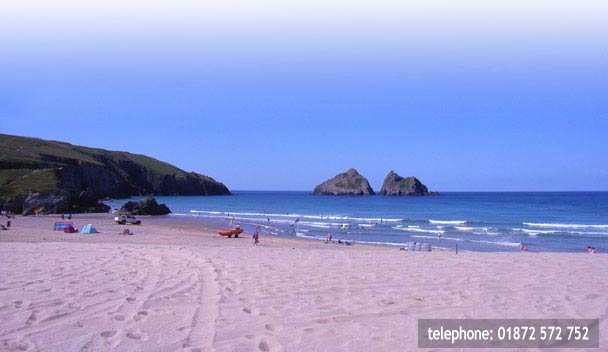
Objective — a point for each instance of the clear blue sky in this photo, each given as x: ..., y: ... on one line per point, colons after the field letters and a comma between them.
x: 474, y: 98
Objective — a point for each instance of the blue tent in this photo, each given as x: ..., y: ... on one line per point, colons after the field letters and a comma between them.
x: 88, y: 229
x: 61, y: 225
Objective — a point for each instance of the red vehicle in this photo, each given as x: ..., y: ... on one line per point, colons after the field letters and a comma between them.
x: 233, y: 232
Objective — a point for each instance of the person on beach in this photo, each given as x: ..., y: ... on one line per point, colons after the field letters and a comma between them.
x: 439, y: 235
x: 328, y: 237
x: 8, y: 224
x: 70, y: 216
x: 591, y: 250
x: 256, y: 235
x: 523, y: 247
x: 62, y: 217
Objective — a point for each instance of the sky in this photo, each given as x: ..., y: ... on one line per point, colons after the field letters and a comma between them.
x: 281, y: 95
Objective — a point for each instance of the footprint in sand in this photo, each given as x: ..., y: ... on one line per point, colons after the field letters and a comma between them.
x: 269, y: 327
x: 119, y: 317
x: 131, y: 299
x: 263, y: 346
x: 32, y: 318
x: 54, y: 316
x: 387, y: 302
x: 247, y: 310
x: 140, y: 315
x: 592, y: 296
x: 19, y: 346
x: 108, y: 333
x: 137, y: 336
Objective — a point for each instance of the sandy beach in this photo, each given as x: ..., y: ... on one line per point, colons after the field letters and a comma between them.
x: 175, y: 285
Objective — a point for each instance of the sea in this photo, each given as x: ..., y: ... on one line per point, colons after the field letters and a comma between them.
x: 471, y: 221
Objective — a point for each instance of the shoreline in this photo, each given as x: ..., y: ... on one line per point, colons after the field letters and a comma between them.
x: 200, y: 226
x: 492, y: 222
x: 193, y: 227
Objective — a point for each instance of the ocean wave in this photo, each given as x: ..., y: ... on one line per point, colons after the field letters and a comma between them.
x: 499, y: 243
x: 414, y: 229
x: 535, y: 232
x: 422, y: 236
x: 295, y: 216
x: 448, y: 222
x: 463, y: 228
x: 326, y: 225
x: 381, y: 243
x: 270, y: 215
x: 321, y: 225
x: 566, y: 226
x: 301, y: 235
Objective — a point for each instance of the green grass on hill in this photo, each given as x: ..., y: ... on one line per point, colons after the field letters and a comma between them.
x: 18, y: 181
x: 31, y: 163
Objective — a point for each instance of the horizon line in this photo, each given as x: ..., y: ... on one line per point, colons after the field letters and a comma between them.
x: 494, y: 191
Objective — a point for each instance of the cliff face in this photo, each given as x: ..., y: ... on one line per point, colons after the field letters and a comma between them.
x: 34, y: 165
x: 349, y: 183
x: 395, y: 185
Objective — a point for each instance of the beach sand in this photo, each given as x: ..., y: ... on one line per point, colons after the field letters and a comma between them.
x: 175, y: 285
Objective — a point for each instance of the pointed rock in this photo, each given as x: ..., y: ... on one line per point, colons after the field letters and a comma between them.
x: 395, y: 185
x: 349, y: 183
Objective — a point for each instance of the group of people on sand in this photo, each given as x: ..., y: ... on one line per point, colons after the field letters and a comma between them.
x: 329, y: 239
x: 9, y: 215
x: 126, y: 232
x: 524, y: 248
x: 69, y: 216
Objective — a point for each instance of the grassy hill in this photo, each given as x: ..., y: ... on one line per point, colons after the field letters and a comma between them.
x: 32, y: 164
